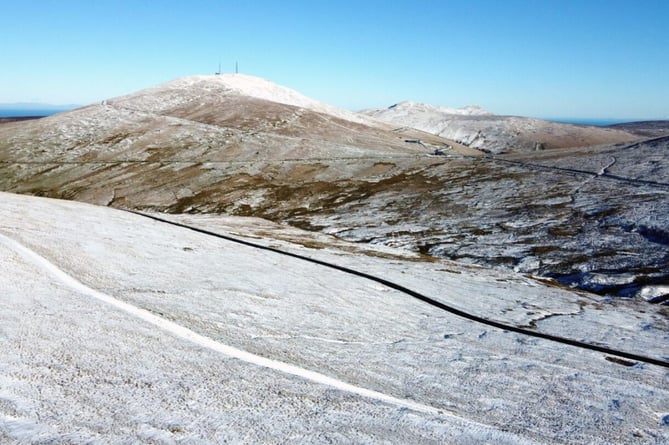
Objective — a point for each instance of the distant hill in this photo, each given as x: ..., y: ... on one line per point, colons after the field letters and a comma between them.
x: 410, y: 109
x: 645, y: 128
x: 478, y: 128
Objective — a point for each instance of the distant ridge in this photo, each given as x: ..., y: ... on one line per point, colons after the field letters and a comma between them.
x: 469, y: 110
x: 596, y: 122
x: 478, y: 128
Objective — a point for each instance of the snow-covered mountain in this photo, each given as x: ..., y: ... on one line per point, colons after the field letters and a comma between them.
x: 424, y: 114
x: 212, y: 118
x: 589, y: 218
x: 115, y: 328
x: 478, y: 128
x: 217, y: 89
x: 174, y: 144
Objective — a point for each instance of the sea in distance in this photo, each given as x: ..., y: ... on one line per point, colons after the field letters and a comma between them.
x: 591, y: 121
x: 30, y: 112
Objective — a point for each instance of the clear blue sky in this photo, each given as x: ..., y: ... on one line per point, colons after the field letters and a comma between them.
x: 547, y: 58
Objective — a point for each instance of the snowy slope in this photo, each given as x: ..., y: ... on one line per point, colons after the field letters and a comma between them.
x: 478, y: 128
x: 425, y: 117
x: 190, y: 88
x: 115, y: 328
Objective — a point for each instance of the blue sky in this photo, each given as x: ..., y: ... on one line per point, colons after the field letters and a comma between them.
x: 546, y: 58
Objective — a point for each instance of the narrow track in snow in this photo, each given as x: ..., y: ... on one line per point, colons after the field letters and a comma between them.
x: 603, y: 175
x: 600, y: 175
x: 431, y: 301
x: 183, y: 332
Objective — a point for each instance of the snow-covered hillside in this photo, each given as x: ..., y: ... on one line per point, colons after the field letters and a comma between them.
x: 119, y: 329
x: 425, y: 117
x: 478, y: 128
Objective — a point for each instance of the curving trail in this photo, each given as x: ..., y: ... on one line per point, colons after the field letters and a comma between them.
x: 206, y: 342
x: 431, y: 301
x: 601, y: 174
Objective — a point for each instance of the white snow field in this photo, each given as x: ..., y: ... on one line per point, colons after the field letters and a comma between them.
x: 115, y: 328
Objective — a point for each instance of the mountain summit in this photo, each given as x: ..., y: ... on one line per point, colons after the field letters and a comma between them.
x: 216, y: 89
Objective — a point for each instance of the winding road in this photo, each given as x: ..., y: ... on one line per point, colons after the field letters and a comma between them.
x: 431, y: 301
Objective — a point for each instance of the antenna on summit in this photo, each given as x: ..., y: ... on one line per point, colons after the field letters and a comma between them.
x: 218, y: 73
x: 236, y: 68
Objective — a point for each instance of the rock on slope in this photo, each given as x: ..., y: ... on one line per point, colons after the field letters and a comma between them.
x: 480, y: 129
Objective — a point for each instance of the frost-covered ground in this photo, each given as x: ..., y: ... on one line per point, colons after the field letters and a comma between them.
x: 119, y: 329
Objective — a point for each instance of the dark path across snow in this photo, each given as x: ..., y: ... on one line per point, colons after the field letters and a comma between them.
x: 618, y: 355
